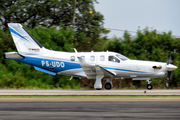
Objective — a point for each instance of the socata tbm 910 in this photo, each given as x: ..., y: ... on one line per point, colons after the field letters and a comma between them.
x: 93, y: 65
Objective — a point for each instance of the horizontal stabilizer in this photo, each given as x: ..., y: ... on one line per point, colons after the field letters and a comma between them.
x: 43, y: 70
x: 14, y: 55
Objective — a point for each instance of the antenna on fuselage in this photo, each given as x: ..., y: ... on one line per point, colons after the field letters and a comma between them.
x: 75, y: 50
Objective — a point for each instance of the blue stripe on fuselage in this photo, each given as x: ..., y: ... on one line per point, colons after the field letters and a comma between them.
x: 123, y: 70
x: 58, y: 66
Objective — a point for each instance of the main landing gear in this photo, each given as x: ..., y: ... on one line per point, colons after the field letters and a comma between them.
x: 98, y: 85
x: 149, y: 86
x: 108, y: 85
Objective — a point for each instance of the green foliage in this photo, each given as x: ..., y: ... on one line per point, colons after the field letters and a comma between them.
x: 18, y: 75
x: 53, y: 38
x: 50, y: 22
x: 51, y: 13
x: 152, y: 46
x: 147, y: 45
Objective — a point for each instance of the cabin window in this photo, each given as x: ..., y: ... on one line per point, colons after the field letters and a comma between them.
x: 92, y: 58
x: 72, y: 58
x: 102, y: 58
x: 83, y: 57
x: 113, y: 59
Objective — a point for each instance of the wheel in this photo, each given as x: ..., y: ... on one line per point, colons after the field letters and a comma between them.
x: 149, y: 86
x: 107, y: 86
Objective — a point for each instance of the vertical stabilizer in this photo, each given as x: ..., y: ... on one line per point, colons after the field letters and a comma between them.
x: 24, y: 42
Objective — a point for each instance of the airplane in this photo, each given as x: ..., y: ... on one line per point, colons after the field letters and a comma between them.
x: 91, y: 65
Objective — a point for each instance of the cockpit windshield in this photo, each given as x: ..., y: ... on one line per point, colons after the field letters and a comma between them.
x: 123, y: 58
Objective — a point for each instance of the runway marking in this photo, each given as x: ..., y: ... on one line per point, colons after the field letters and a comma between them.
x: 85, y: 99
x: 89, y: 92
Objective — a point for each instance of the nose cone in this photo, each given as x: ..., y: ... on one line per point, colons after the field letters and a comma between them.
x: 171, y: 67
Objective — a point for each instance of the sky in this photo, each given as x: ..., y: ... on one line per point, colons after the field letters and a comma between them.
x: 162, y: 15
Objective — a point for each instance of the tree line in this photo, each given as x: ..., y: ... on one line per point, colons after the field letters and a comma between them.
x: 50, y: 22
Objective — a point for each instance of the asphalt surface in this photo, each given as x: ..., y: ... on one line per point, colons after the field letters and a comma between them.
x: 89, y: 92
x: 90, y: 110
x: 85, y: 108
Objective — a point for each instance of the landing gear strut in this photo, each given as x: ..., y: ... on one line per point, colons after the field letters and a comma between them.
x: 98, y: 84
x: 149, y: 86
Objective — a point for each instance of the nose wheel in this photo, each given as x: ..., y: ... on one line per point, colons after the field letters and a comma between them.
x: 149, y: 87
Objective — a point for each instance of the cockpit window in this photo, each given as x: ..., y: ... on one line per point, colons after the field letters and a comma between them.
x: 123, y: 58
x: 113, y: 59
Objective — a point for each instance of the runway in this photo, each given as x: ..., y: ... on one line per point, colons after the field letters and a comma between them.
x: 90, y: 110
x: 83, y: 107
x: 89, y: 92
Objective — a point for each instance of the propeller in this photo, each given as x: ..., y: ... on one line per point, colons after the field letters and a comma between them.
x: 170, y: 68
x: 168, y: 72
x: 168, y: 78
x: 168, y: 59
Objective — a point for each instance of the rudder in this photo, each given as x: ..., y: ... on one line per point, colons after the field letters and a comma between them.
x: 24, y: 42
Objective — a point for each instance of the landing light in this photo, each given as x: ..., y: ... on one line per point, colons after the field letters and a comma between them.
x: 157, y: 67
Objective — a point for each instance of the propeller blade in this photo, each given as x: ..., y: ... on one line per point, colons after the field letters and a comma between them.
x: 168, y: 78
x: 168, y: 59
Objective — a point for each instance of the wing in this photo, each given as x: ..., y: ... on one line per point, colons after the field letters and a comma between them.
x: 91, y: 70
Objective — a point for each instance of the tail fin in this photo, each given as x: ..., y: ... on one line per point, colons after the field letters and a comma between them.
x: 24, y: 42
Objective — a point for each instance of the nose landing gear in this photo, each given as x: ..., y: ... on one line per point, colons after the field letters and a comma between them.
x: 149, y: 86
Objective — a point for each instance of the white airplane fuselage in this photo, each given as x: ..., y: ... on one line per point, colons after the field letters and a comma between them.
x: 63, y: 63
x: 91, y: 65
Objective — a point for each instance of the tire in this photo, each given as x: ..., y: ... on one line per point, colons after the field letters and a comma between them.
x: 149, y: 87
x: 108, y: 86
x: 98, y: 88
